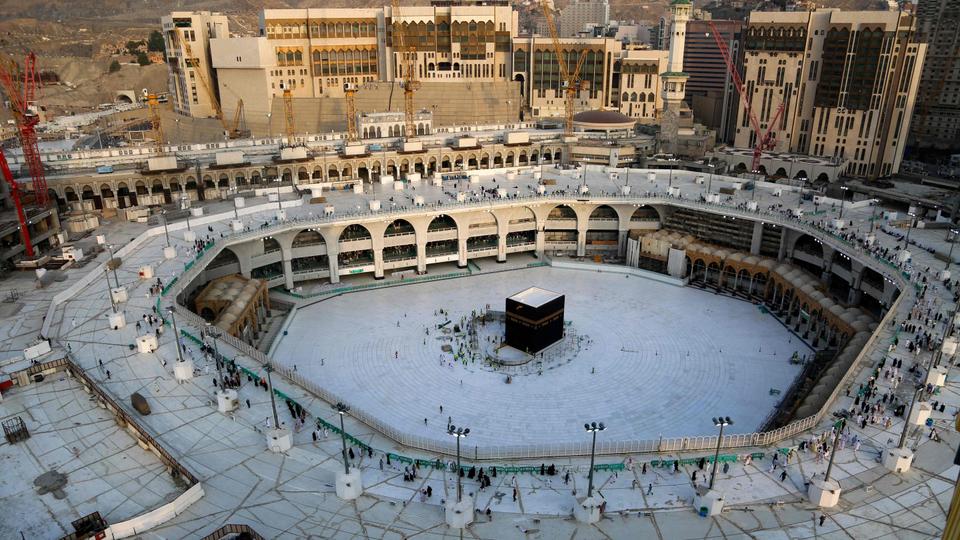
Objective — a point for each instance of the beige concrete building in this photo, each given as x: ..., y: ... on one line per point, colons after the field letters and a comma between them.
x: 580, y: 14
x: 193, y: 29
x: 639, y: 83
x: 314, y: 52
x: 848, y: 81
x: 536, y: 68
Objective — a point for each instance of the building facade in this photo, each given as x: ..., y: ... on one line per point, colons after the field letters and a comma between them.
x: 581, y: 14
x: 638, y: 83
x: 710, y: 90
x: 193, y: 30
x: 936, y: 121
x: 847, y: 80
x: 535, y: 67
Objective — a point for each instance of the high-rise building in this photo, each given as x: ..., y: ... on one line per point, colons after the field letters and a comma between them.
x: 314, y: 52
x: 847, y: 80
x: 710, y: 90
x: 193, y: 29
x: 579, y: 14
x: 936, y: 121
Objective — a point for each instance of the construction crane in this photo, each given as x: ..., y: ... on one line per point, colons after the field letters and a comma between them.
x: 765, y: 140
x: 570, y: 80
x: 408, y: 72
x: 154, y: 106
x: 288, y: 115
x: 238, y: 120
x: 21, y: 88
x: 15, y: 196
x: 350, y: 92
x: 232, y: 131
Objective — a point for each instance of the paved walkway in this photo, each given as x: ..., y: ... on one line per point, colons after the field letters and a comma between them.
x: 292, y: 495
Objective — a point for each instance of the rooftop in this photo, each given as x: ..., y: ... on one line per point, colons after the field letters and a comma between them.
x: 535, y: 296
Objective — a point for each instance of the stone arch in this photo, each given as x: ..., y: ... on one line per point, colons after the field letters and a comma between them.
x: 354, y: 231
x: 225, y: 257
x: 605, y: 212
x: 441, y: 222
x: 308, y: 237
x: 302, y: 174
x: 223, y: 180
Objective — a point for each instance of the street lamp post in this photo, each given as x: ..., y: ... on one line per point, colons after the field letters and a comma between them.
x: 843, y: 197
x: 833, y: 453
x: 906, y: 419
x: 721, y: 422
x: 166, y: 233
x: 803, y: 180
x: 113, y: 266
x: 342, y: 409
x: 273, y: 403
x: 954, y: 232
x: 211, y: 331
x: 106, y: 276
x: 710, y: 178
x: 459, y: 433
x: 593, y: 428
x: 911, y: 215
x: 176, y: 333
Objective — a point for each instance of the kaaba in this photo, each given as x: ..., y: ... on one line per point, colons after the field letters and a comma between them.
x: 534, y: 319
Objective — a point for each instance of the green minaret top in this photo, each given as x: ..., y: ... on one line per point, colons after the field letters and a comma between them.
x: 679, y: 2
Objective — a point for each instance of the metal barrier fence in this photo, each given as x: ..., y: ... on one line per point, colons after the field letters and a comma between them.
x: 569, y: 449
x: 128, y: 419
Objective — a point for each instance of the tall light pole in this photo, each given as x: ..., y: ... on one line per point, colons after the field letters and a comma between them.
x: 166, y: 233
x: 710, y: 178
x: 803, y: 180
x: 273, y: 403
x: 843, y: 197
x: 954, y: 232
x: 106, y: 276
x: 459, y: 433
x: 212, y: 332
x: 906, y: 419
x: 721, y: 422
x: 593, y: 428
x: 912, y: 215
x: 176, y: 333
x: 833, y: 453
x: 113, y: 265
x: 342, y: 409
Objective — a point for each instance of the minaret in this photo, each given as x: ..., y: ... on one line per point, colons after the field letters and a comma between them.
x: 675, y: 80
x: 675, y: 118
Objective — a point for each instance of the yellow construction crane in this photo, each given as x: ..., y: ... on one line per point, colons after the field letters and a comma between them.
x: 154, y: 105
x: 233, y: 131
x: 288, y: 115
x: 238, y: 120
x: 408, y: 73
x: 570, y: 80
x: 350, y: 92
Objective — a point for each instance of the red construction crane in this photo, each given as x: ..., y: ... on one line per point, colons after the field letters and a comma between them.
x: 766, y: 140
x: 21, y: 89
x: 15, y: 196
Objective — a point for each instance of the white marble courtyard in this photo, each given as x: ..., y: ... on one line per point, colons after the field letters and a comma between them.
x: 656, y: 359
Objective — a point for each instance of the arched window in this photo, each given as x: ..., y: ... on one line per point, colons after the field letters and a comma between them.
x: 650, y: 97
x: 633, y: 97
x: 625, y: 97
